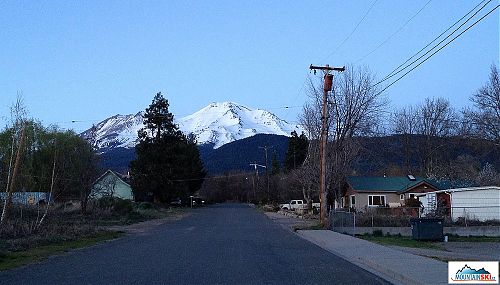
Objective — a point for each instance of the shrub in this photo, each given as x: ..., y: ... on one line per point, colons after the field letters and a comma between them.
x: 122, y: 206
x: 378, y: 233
x: 145, y: 206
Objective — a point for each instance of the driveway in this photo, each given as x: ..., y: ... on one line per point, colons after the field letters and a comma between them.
x: 221, y: 244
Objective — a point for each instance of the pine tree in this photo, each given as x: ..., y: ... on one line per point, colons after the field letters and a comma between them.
x: 297, y: 151
x: 158, y: 120
x: 168, y: 164
x: 276, y: 168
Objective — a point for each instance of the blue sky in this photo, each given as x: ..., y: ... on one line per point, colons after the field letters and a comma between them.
x: 88, y: 60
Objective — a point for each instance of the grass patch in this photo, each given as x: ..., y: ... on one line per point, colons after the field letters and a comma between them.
x: 313, y: 227
x: 473, y: 239
x: 67, y: 228
x: 11, y: 259
x: 402, y: 241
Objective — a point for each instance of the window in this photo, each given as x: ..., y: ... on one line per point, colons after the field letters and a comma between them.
x: 293, y: 202
x: 402, y: 197
x: 353, y: 200
x: 376, y: 200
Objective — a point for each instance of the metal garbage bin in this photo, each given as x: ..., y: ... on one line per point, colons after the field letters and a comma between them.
x: 427, y: 229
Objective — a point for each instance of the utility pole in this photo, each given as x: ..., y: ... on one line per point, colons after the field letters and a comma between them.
x: 327, y: 86
x: 267, y: 172
x: 255, y: 176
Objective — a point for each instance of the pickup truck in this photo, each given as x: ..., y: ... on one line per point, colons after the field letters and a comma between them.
x: 297, y: 205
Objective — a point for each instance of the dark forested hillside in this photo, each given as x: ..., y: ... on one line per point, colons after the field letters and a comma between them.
x: 117, y: 159
x: 239, y: 154
x: 378, y: 155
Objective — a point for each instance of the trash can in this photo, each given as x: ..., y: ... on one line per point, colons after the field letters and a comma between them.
x: 427, y: 229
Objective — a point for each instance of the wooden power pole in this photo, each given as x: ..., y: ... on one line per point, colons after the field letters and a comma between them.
x: 267, y: 170
x: 327, y: 86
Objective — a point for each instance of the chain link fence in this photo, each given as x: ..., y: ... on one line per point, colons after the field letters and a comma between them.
x: 401, y: 216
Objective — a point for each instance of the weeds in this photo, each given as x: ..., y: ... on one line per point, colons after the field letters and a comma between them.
x: 66, y: 223
x: 11, y: 259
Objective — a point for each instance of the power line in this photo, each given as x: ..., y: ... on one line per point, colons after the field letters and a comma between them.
x: 397, y: 70
x: 393, y: 34
x: 420, y: 63
x: 352, y: 32
x: 173, y: 180
x: 433, y: 40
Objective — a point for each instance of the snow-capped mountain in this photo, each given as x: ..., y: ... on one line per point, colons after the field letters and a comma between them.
x: 217, y: 123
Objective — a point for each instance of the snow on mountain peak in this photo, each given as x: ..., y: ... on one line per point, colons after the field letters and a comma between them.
x: 217, y: 123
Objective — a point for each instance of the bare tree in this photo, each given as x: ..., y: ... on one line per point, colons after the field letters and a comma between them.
x: 423, y: 128
x: 18, y: 113
x: 436, y: 119
x: 486, y: 117
x: 405, y: 124
x: 488, y: 176
x: 306, y: 177
x: 355, y: 108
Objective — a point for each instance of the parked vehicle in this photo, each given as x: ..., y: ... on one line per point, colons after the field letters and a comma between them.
x: 298, y: 205
x: 187, y: 202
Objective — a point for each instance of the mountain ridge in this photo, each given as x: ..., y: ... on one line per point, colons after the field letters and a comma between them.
x: 216, y: 124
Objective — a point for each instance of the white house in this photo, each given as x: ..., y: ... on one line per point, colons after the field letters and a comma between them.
x: 112, y: 184
x: 478, y: 203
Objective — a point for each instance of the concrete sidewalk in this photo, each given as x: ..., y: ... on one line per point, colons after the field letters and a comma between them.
x: 396, y: 266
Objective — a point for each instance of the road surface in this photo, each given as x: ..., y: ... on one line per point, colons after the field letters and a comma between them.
x: 221, y: 244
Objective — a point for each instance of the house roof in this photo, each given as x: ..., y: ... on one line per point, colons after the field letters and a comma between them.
x: 111, y: 172
x: 443, y: 184
x: 480, y: 188
x: 384, y: 184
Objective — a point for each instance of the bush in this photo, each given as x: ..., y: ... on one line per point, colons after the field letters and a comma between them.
x: 365, y: 220
x: 145, y: 206
x: 122, y: 206
x: 115, y: 205
x: 378, y: 233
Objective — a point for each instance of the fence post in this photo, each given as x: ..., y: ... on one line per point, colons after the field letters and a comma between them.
x: 372, y: 220
x: 354, y: 220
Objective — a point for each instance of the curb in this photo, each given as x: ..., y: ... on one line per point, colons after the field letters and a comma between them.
x: 383, y: 272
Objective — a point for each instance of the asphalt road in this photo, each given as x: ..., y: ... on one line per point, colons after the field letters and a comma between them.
x: 222, y: 244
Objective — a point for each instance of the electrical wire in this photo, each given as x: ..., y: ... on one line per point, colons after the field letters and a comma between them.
x: 420, y: 63
x: 393, y: 34
x: 352, y: 32
x: 397, y: 70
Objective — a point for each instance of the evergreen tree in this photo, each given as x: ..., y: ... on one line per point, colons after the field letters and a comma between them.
x: 168, y: 163
x: 276, y: 167
x: 297, y: 151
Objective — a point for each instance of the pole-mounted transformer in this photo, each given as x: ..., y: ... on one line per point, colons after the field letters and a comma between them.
x: 327, y: 87
x: 328, y: 82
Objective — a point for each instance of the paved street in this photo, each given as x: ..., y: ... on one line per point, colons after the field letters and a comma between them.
x: 221, y: 244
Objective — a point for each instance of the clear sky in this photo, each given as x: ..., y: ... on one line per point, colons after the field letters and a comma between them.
x: 88, y: 60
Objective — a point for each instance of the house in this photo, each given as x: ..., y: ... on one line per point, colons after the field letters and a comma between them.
x: 112, y: 184
x: 471, y: 203
x: 365, y: 192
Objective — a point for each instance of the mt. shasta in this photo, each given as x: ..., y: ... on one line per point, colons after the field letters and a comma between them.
x: 216, y: 124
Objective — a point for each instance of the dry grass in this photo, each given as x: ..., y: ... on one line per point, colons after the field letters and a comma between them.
x: 65, y: 223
